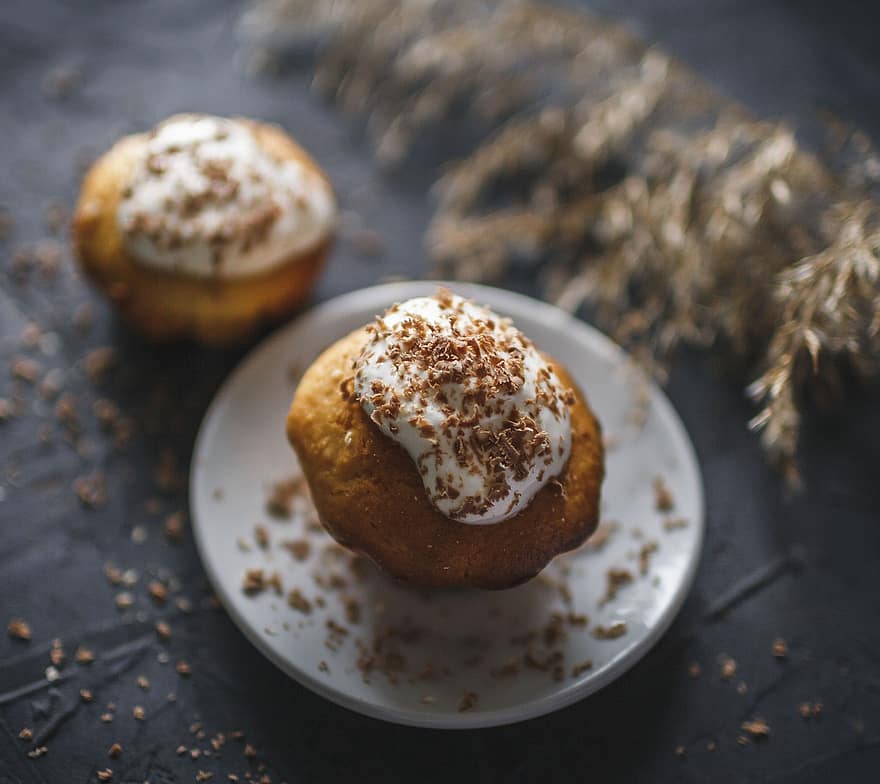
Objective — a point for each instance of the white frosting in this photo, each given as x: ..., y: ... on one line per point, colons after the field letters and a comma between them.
x: 206, y: 199
x: 479, y: 410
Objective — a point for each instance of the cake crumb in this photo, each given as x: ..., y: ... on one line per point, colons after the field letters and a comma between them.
x: 581, y: 668
x: 675, y: 523
x: 300, y: 549
x: 114, y: 751
x: 174, y: 525
x: 615, y: 579
x: 780, y: 648
x: 183, y: 668
x: 261, y: 536
x: 663, y: 499
x: 679, y: 751
x: 83, y: 655
x: 254, y: 581
x: 26, y: 734
x: 645, y: 553
x: 728, y: 668
x: 279, y: 504
x: 757, y: 728
x: 297, y: 601
x: 19, y: 629
x: 105, y: 774
x: 163, y: 630
x: 810, y: 710
x: 468, y: 701
x: 86, y: 695
x: 694, y: 669
x: 611, y: 632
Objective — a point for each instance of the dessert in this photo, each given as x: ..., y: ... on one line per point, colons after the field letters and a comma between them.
x: 204, y: 227
x: 442, y: 444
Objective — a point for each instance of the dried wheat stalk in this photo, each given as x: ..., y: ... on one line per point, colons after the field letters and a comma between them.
x: 622, y: 177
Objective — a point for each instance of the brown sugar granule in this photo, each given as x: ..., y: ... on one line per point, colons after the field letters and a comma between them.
x: 85, y: 695
x: 204, y: 775
x: 780, y: 648
x: 114, y: 751
x: 19, y: 629
x: 26, y: 734
x: 106, y: 717
x: 615, y: 579
x: 142, y: 682
x: 249, y: 751
x: 183, y: 668
x: 581, y: 668
x: 663, y: 499
x: 756, y: 728
x: 468, y: 700
x: 645, y: 553
x: 261, y: 536
x: 83, y: 655
x: 105, y: 774
x: 158, y: 592
x: 174, y: 527
x: 195, y: 753
x: 181, y: 750
x: 113, y: 574
x: 138, y: 712
x: 124, y: 600
x: 299, y: 602
x: 611, y: 632
x: 281, y: 494
x: 300, y: 549
x: 728, y: 668
x: 98, y: 361
x: 163, y: 630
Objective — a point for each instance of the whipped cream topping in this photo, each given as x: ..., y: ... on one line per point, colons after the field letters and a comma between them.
x: 482, y: 414
x: 206, y: 199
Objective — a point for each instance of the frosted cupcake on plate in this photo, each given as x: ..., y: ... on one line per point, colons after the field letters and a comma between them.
x: 204, y: 227
x: 441, y: 443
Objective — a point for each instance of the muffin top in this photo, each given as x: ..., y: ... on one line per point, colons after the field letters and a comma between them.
x: 206, y: 198
x: 480, y: 411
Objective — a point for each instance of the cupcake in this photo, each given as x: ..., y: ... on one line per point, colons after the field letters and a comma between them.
x: 204, y: 227
x: 442, y: 444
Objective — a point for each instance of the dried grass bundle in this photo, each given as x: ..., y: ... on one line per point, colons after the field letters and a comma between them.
x: 621, y: 176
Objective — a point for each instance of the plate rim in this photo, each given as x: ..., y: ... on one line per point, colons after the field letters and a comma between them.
x: 540, y: 706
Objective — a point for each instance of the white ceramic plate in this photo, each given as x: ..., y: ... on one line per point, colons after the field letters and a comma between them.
x: 431, y: 648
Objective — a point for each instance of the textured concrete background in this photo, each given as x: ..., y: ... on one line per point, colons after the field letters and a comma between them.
x: 142, y: 61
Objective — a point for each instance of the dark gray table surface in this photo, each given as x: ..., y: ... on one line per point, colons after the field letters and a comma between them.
x: 142, y: 61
